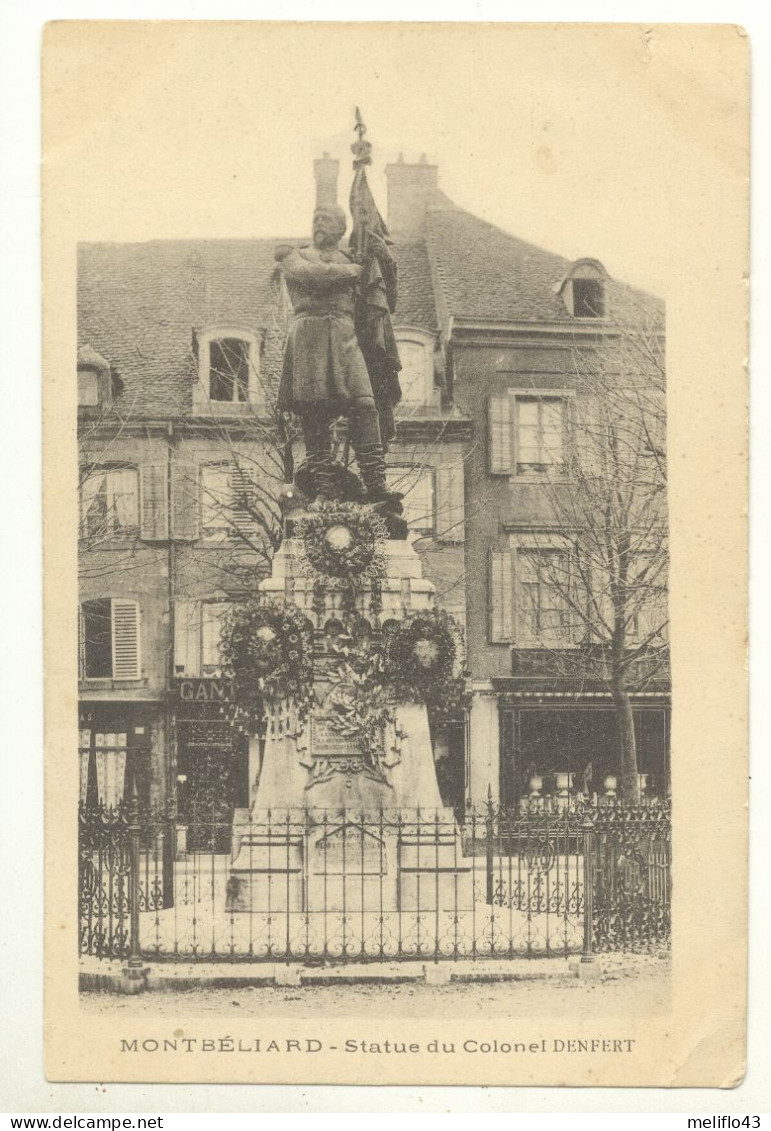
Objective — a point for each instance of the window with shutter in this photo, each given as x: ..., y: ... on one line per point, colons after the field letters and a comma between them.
x: 229, y: 503
x: 244, y: 502
x: 125, y: 639
x: 110, y: 639
x: 499, y: 434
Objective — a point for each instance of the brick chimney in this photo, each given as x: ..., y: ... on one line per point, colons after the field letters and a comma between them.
x: 326, y: 170
x: 411, y: 189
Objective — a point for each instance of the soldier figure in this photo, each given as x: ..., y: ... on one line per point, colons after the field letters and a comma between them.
x: 325, y: 373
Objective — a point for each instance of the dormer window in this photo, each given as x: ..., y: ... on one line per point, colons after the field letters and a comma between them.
x: 228, y: 369
x: 94, y: 378
x: 416, y: 351
x: 88, y: 388
x: 583, y: 289
x: 588, y: 298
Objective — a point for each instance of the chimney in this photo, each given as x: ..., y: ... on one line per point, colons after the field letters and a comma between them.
x: 326, y: 170
x: 411, y: 189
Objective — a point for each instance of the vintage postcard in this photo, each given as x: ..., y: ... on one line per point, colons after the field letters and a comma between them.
x: 395, y: 566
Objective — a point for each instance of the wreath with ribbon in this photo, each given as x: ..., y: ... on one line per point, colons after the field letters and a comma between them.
x: 423, y: 662
x: 267, y: 649
x: 341, y: 543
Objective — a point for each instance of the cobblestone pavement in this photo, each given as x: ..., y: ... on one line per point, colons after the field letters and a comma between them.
x: 626, y: 986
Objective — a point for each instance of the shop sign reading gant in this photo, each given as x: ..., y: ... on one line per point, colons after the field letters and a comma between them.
x: 205, y: 690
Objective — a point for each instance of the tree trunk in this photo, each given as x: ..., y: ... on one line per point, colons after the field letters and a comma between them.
x: 630, y: 783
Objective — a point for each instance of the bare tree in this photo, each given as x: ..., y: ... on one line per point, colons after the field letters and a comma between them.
x: 592, y: 587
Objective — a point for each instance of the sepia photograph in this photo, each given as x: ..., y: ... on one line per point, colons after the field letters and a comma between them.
x: 365, y: 515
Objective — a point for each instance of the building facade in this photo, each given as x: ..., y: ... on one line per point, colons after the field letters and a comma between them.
x: 183, y: 460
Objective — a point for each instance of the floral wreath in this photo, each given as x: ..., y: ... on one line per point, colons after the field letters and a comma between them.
x: 342, y: 543
x: 267, y: 649
x: 423, y: 661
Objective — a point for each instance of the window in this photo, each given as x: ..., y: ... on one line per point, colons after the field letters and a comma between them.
x: 543, y: 608
x: 412, y: 377
x: 110, y: 639
x: 532, y: 593
x: 416, y: 377
x: 212, y: 617
x: 88, y: 388
x: 583, y: 289
x: 540, y: 434
x: 588, y: 298
x: 527, y: 431
x: 646, y: 601
x: 230, y: 503
x: 417, y: 486
x: 228, y: 369
x: 109, y: 499
x: 94, y: 378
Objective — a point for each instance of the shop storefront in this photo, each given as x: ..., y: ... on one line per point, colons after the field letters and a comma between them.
x: 116, y: 748
x: 572, y: 745
x: 213, y: 765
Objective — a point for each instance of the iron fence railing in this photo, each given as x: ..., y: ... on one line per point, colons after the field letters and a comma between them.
x: 349, y: 885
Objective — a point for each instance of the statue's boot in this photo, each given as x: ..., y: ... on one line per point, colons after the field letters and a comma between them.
x: 372, y: 466
x: 321, y: 468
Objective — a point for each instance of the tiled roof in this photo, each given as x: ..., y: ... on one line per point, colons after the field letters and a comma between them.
x: 485, y: 273
x: 139, y: 303
x: 416, y: 305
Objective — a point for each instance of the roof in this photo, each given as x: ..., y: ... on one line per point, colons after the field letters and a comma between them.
x: 485, y: 273
x: 139, y: 304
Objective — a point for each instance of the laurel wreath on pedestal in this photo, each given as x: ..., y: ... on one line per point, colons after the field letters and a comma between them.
x: 423, y: 662
x: 341, y: 544
x: 267, y: 648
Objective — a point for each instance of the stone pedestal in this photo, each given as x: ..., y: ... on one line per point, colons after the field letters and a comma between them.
x: 331, y: 828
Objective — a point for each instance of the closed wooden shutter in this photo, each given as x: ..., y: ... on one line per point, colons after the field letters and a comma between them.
x: 125, y: 639
x: 184, y: 501
x: 155, y: 511
x: 450, y: 526
x: 501, y: 597
x: 187, y: 638
x: 499, y: 434
x: 244, y: 503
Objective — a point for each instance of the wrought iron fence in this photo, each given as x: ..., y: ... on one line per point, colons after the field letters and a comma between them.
x: 345, y: 885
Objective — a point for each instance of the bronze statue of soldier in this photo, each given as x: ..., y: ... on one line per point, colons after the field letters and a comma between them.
x: 339, y: 358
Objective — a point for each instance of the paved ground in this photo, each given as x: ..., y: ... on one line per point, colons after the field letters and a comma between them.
x: 628, y: 986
